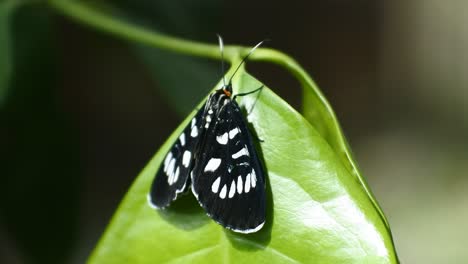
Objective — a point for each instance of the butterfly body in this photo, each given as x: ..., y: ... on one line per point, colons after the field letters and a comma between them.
x: 215, y: 155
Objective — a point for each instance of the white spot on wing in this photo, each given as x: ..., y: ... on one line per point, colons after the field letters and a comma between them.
x: 166, y: 160
x: 212, y: 164
x: 194, y: 120
x: 240, y: 153
x: 240, y: 184
x: 210, y: 111
x: 223, y: 139
x: 232, y: 190
x: 176, y: 175
x: 182, y: 139
x: 253, y: 180
x: 248, y: 231
x: 208, y: 118
x: 169, y: 178
x: 186, y: 158
x: 233, y: 132
x: 215, y: 185
x: 222, y: 194
x: 194, y: 132
x: 170, y: 169
x: 247, y: 183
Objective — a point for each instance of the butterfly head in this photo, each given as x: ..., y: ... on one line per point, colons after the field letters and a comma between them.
x: 227, y: 90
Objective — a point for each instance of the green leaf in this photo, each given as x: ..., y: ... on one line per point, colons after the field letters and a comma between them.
x: 319, y: 113
x: 317, y: 211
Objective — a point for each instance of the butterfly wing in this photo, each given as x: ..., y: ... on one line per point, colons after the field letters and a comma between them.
x: 228, y: 179
x: 172, y: 176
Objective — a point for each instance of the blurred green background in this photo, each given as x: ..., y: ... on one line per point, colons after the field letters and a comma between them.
x: 82, y: 112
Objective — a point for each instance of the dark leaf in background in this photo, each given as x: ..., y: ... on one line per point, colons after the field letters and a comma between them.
x: 182, y: 79
x: 7, y: 9
x: 39, y: 153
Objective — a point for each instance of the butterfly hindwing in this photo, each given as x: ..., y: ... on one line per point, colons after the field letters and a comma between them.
x: 173, y: 174
x: 228, y: 179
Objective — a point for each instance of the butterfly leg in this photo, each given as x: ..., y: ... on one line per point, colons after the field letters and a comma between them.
x: 251, y: 108
x: 247, y: 93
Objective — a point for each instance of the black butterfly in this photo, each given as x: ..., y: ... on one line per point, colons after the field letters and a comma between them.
x: 217, y: 151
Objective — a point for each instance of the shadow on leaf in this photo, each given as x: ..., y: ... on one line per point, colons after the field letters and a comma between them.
x: 185, y: 213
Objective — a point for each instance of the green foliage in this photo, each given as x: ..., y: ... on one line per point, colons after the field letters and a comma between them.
x: 320, y: 208
x: 317, y: 210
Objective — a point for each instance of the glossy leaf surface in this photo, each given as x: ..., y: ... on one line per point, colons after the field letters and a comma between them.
x: 317, y: 211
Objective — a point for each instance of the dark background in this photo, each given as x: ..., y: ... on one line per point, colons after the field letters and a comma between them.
x: 87, y: 111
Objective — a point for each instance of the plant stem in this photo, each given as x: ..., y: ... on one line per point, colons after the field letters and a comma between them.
x: 84, y: 14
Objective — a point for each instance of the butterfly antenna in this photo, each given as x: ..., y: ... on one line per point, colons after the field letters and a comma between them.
x: 245, y: 58
x: 221, y: 48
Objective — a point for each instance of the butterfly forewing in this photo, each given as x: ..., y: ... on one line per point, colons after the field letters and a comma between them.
x: 173, y: 173
x: 227, y: 178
